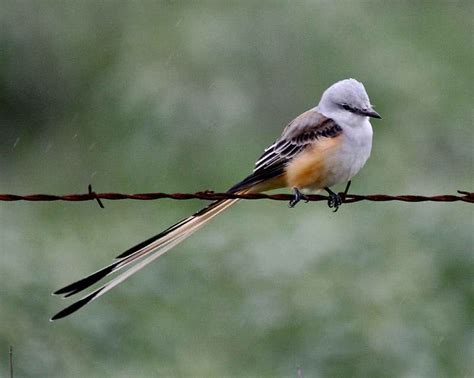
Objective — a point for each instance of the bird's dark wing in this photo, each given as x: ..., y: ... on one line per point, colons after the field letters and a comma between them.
x: 300, y: 133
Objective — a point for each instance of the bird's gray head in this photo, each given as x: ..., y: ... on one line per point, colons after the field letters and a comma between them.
x: 347, y: 99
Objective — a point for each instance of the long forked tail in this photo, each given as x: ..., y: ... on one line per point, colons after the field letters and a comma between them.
x: 141, y: 255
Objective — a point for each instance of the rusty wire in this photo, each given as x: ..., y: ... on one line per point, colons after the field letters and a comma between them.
x: 463, y: 196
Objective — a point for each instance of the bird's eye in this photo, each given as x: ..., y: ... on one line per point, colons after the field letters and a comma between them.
x: 346, y: 107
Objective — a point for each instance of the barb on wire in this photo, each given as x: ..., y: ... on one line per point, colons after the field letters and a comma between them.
x: 94, y: 194
x: 463, y: 196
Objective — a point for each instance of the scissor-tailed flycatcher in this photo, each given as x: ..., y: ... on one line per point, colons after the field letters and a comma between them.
x: 324, y: 146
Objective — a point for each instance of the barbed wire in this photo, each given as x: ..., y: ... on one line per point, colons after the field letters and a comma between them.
x: 464, y: 196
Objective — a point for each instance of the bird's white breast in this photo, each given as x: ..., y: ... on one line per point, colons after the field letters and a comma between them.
x: 350, y: 157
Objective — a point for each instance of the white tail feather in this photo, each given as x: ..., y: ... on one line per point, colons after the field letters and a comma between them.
x: 149, y: 253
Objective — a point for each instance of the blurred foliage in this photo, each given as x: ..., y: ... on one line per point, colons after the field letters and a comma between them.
x: 183, y: 96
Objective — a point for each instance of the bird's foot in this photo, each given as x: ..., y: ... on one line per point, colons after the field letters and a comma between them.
x: 298, y: 197
x: 334, y: 200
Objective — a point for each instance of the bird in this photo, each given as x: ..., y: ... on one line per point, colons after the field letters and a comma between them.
x: 324, y: 146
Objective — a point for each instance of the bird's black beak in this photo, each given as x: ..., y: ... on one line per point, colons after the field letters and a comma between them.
x: 372, y: 113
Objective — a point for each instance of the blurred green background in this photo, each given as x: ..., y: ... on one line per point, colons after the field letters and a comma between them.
x: 184, y: 96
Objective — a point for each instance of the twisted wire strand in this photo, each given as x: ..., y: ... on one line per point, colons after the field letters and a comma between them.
x: 463, y: 196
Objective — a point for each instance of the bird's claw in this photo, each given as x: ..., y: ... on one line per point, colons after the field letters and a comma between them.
x: 298, y: 197
x: 334, y: 201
